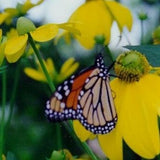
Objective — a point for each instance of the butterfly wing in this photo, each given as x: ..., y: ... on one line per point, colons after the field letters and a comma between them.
x: 86, y: 97
x: 96, y: 110
x: 63, y: 103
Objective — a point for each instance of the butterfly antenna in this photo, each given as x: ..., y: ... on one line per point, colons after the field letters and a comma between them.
x: 102, y: 49
x: 109, y: 68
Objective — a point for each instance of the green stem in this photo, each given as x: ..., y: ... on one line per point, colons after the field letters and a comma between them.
x: 13, y: 95
x: 89, y: 151
x: 41, y: 63
x: 2, y: 126
x: 142, y: 32
x: 58, y: 136
x: 84, y: 145
x: 52, y: 87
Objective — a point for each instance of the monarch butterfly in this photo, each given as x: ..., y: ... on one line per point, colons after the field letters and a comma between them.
x: 86, y: 97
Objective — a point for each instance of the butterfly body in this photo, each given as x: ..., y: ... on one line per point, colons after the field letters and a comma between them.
x: 86, y: 97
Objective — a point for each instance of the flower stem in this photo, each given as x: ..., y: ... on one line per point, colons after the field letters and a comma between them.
x: 2, y: 126
x: 41, y: 62
x: 13, y: 94
x: 84, y: 145
x: 58, y: 136
x: 142, y: 32
x: 51, y: 85
x: 89, y: 151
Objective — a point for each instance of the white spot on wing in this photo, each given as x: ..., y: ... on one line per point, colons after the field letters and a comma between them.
x: 65, y: 87
x: 67, y: 92
x: 62, y: 105
x: 59, y: 88
x: 59, y: 97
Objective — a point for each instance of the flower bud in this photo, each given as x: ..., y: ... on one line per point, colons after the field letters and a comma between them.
x: 24, y: 26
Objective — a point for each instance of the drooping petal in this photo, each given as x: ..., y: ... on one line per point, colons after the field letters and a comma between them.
x: 45, y: 32
x: 121, y: 14
x: 35, y: 74
x: 69, y: 27
x: 81, y: 132
x: 92, y: 19
x: 28, y: 5
x: 15, y: 48
x: 111, y: 144
x: 3, y: 17
x: 68, y: 68
x: 11, y: 12
x: 137, y: 115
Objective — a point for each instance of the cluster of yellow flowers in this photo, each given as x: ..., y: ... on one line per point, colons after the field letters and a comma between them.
x: 86, y: 29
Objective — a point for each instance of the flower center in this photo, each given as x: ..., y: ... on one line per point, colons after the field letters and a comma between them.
x: 131, y: 66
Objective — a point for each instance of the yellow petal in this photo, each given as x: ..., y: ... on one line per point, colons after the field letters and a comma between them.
x: 67, y: 64
x: 121, y: 14
x: 66, y: 35
x: 45, y: 32
x: 3, y: 17
x: 28, y: 5
x: 2, y: 46
x: 68, y: 68
x: 15, y: 48
x: 50, y: 65
x: 111, y: 145
x: 69, y: 27
x: 12, y: 12
x: 137, y: 114
x: 81, y: 132
x: 34, y: 74
x: 92, y: 19
x: 12, y: 33
x: 0, y: 34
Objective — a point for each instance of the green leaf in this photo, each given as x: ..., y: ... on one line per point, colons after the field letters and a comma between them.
x: 152, y: 53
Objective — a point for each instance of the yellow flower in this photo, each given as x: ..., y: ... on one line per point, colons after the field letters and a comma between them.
x: 94, y: 19
x: 21, y: 9
x: 66, y: 70
x: 137, y: 104
x: 16, y: 45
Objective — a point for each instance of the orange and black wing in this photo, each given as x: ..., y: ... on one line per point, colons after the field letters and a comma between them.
x: 63, y: 103
x: 86, y: 97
